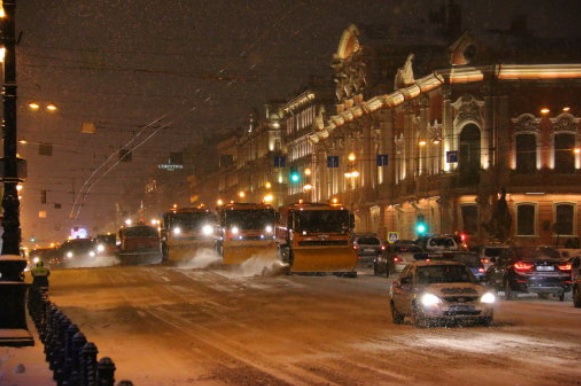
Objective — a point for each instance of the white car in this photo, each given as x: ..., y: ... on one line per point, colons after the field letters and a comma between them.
x: 441, y: 291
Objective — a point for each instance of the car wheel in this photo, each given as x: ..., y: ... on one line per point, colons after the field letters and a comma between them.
x: 487, y: 322
x: 396, y: 316
x: 576, y: 298
x: 508, y: 292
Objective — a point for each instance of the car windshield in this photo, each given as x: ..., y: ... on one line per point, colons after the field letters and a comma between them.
x: 444, y: 274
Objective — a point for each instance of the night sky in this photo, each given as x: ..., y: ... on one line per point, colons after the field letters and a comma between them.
x: 158, y: 75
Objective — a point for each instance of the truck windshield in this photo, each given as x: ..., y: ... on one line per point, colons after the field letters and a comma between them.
x: 189, y: 220
x: 249, y: 219
x: 322, y: 221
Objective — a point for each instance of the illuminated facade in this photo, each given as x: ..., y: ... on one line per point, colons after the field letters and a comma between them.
x: 446, y: 144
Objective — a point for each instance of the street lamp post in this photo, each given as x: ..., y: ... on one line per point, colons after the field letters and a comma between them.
x: 351, y: 174
x: 13, y: 327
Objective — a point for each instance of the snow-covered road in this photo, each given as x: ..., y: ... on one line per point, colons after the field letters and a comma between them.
x: 210, y: 326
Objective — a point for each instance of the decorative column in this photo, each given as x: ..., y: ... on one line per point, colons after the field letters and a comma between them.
x: 13, y: 327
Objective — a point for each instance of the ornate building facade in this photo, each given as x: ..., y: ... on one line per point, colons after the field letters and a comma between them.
x: 453, y: 143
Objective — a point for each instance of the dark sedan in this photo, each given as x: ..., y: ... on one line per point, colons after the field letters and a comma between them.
x: 537, y: 270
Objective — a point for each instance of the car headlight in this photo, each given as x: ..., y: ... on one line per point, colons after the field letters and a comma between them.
x: 69, y: 254
x: 100, y: 248
x: 488, y: 298
x: 207, y: 230
x: 92, y: 253
x: 268, y: 229
x: 36, y: 260
x: 234, y: 230
x: 177, y: 230
x: 430, y: 300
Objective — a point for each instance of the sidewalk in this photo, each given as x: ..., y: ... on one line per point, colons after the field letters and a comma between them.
x: 25, y: 366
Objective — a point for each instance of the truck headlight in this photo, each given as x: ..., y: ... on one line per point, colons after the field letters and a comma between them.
x: 100, y: 248
x: 234, y: 230
x: 268, y: 229
x: 488, y: 298
x: 207, y: 230
x: 176, y: 231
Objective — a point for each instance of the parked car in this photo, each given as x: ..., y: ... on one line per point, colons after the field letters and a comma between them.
x: 438, y: 244
x: 538, y: 270
x: 397, y: 257
x: 440, y: 291
x: 488, y: 251
x: 368, y: 247
x: 472, y: 261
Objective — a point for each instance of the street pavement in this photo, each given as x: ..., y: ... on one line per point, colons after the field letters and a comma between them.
x: 25, y: 366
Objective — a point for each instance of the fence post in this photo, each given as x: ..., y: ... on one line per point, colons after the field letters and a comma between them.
x: 106, y: 372
x: 89, y: 364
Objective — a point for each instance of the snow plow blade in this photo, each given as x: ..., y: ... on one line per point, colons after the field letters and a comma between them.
x: 186, y: 251
x: 324, y: 259
x: 239, y: 252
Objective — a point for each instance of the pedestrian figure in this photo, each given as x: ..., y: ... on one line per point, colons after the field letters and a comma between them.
x: 40, y: 276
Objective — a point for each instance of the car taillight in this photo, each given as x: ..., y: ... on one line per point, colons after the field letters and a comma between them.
x: 523, y: 267
x: 481, y: 270
x: 396, y: 259
x: 383, y: 247
x: 485, y: 260
x: 355, y: 246
x: 564, y: 267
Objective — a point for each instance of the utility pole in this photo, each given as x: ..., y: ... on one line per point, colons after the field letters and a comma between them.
x: 13, y: 327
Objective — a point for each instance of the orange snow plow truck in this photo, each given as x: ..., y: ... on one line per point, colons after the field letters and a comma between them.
x: 184, y: 231
x: 315, y: 238
x: 245, y: 230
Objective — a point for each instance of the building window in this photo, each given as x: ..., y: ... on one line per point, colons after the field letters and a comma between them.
x: 469, y: 149
x: 564, y: 156
x: 564, y: 215
x: 470, y: 219
x: 525, y: 222
x: 526, y: 153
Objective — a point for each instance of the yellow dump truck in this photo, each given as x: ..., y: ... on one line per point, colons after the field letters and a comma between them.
x: 315, y: 238
x: 245, y: 230
x: 185, y: 231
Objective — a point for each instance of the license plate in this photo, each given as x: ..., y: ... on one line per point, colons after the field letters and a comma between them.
x: 462, y: 308
x: 368, y: 250
x: 544, y: 268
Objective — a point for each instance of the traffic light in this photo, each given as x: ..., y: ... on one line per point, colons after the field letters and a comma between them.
x: 421, y: 226
x: 295, y: 176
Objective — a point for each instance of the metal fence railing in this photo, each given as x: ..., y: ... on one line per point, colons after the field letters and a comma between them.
x: 72, y: 359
